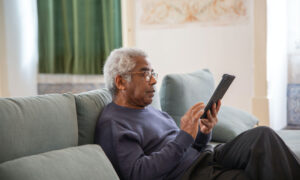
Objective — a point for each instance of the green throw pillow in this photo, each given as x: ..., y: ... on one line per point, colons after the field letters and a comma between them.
x: 89, y: 105
x: 77, y: 163
x: 181, y: 91
x: 232, y: 122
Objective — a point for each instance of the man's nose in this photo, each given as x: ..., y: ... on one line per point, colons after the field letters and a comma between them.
x: 152, y: 81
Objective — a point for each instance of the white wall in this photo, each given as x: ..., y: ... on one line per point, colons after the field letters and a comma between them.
x: 19, y: 44
x: 222, y: 49
x: 3, y: 90
x: 293, y: 49
x: 277, y: 62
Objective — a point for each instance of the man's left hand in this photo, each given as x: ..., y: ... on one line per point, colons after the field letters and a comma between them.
x: 206, y: 125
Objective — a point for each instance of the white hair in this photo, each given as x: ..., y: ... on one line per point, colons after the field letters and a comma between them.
x: 120, y: 62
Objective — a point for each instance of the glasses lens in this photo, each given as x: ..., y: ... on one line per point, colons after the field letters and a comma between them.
x: 149, y: 74
x: 155, y: 75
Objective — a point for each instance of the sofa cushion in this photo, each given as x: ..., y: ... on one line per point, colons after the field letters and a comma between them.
x: 89, y: 105
x: 232, y: 122
x: 291, y: 138
x: 32, y: 125
x: 77, y: 163
x: 181, y: 91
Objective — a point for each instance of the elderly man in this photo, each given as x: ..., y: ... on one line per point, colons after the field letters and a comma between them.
x: 144, y: 143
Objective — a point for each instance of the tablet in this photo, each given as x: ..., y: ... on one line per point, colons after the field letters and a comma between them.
x: 219, y: 92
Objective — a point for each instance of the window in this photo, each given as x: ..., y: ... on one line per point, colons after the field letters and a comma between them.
x: 75, y: 37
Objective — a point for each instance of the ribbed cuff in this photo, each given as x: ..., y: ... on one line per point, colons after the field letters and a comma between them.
x: 184, y: 139
x: 203, y: 139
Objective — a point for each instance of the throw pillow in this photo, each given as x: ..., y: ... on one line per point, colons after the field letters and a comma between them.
x: 181, y: 91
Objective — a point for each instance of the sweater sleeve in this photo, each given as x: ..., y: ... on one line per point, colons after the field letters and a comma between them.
x: 201, y: 140
x: 134, y: 164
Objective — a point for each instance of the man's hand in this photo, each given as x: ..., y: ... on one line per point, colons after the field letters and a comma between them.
x: 206, y: 125
x: 190, y: 121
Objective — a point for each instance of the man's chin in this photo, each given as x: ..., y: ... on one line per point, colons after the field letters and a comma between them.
x: 148, y: 101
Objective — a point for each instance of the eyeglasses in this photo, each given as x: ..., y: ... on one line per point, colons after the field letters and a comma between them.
x: 147, y: 75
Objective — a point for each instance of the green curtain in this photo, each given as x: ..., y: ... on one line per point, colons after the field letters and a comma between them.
x: 76, y: 36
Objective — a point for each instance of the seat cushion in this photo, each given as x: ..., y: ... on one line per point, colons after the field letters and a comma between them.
x: 179, y: 92
x: 33, y: 125
x: 292, y: 139
x: 77, y: 163
x: 89, y: 105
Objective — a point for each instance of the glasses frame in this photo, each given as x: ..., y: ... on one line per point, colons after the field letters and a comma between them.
x: 147, y: 75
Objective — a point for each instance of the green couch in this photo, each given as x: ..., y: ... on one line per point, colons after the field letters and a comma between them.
x: 51, y: 136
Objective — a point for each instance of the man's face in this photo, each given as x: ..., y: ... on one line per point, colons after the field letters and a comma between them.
x: 139, y: 91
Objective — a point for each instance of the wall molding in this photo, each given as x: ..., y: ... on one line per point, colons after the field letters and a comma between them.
x: 260, y: 101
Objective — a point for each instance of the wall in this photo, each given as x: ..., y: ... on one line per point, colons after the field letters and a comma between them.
x: 18, y: 44
x: 3, y: 77
x: 222, y: 49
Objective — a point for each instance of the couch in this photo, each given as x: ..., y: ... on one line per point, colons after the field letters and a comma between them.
x: 51, y: 136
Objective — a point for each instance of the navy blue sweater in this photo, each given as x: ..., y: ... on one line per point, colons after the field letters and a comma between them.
x: 145, y: 143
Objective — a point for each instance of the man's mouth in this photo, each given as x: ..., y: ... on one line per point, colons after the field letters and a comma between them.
x: 151, y: 92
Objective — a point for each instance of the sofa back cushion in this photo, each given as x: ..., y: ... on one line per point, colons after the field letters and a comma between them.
x: 89, y: 105
x: 33, y: 125
x: 180, y: 91
x: 83, y: 162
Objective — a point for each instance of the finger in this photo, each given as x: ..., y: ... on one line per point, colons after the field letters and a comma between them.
x: 195, y: 106
x: 202, y: 123
x: 198, y: 110
x: 194, y: 120
x: 198, y: 106
x: 199, y: 114
x: 219, y: 106
x: 209, y: 116
x: 206, y: 123
x: 214, y: 111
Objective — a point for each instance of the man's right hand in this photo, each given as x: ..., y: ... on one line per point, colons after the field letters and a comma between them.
x: 190, y: 121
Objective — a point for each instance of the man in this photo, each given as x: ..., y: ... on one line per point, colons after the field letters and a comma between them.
x: 145, y: 143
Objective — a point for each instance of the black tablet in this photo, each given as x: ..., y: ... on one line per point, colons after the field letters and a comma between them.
x: 219, y: 92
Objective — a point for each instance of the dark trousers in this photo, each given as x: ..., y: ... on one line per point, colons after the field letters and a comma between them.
x: 257, y: 154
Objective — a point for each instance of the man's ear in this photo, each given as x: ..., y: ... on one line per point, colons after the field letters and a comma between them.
x: 120, y: 82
